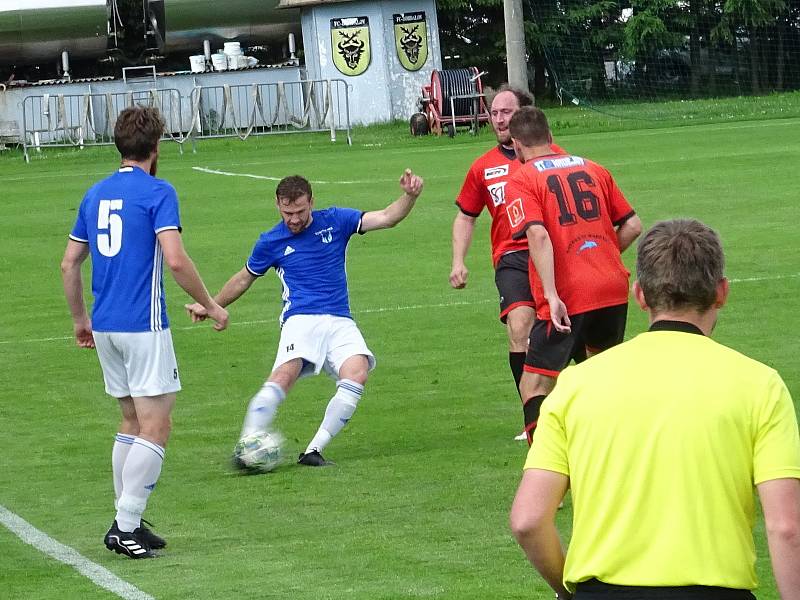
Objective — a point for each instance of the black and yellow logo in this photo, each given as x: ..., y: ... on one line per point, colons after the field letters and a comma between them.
x: 350, y: 45
x: 411, y: 39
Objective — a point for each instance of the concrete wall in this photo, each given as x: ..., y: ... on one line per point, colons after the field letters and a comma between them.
x: 386, y: 90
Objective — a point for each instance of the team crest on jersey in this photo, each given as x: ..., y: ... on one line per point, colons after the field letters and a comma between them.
x: 515, y: 212
x: 495, y: 172
x: 326, y: 235
x: 563, y: 162
x: 498, y: 192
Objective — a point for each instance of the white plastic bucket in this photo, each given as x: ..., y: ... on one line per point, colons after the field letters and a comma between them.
x: 197, y: 63
x: 219, y: 62
x: 232, y: 48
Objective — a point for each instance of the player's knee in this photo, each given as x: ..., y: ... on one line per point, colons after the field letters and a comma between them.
x: 286, y: 374
x: 518, y: 343
x: 129, y: 425
x: 359, y: 375
x: 355, y: 368
x: 519, y: 330
x: 156, y: 430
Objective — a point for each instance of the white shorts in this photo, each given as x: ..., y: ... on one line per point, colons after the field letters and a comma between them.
x: 322, y: 341
x: 137, y: 364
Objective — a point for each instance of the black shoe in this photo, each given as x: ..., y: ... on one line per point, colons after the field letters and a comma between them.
x: 156, y: 542
x: 129, y: 543
x: 313, y: 459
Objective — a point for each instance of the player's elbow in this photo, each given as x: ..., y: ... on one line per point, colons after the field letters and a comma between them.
x: 67, y: 265
x: 634, y: 226
x: 537, y: 236
x: 70, y: 264
x: 387, y: 220
x: 526, y: 523
x: 177, y: 262
x: 784, y: 529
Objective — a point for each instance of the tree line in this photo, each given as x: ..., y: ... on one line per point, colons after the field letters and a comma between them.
x: 609, y: 48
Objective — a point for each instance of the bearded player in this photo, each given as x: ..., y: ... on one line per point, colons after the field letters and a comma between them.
x: 484, y: 187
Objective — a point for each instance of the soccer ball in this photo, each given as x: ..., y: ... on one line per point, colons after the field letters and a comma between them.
x: 259, y: 452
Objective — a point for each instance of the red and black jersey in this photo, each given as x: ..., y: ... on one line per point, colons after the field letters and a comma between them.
x: 484, y: 186
x: 580, y: 205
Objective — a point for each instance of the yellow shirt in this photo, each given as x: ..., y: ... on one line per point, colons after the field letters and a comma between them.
x: 663, y: 439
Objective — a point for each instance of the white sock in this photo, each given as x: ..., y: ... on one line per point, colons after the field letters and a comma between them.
x: 139, y: 477
x: 340, y: 410
x: 262, y: 408
x: 122, y: 445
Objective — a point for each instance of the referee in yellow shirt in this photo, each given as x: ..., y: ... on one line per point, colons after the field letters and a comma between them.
x: 662, y: 440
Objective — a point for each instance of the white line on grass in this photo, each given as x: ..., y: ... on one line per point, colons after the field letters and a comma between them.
x: 382, y: 309
x: 100, y: 576
x: 268, y: 178
x: 703, y: 127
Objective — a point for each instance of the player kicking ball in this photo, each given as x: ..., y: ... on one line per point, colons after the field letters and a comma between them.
x: 307, y: 250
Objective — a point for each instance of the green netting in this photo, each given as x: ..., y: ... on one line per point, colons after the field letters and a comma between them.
x: 627, y: 58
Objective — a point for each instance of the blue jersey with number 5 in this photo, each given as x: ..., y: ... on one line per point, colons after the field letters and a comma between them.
x: 120, y: 218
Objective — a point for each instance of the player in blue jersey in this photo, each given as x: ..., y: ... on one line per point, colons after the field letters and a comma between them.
x: 307, y: 250
x: 129, y: 224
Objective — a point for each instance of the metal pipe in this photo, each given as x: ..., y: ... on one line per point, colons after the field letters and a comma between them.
x: 292, y: 47
x: 65, y: 64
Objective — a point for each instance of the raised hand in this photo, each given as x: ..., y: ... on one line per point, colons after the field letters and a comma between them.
x: 411, y: 184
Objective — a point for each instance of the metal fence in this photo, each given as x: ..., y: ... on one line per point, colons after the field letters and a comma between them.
x: 259, y: 109
x: 66, y: 120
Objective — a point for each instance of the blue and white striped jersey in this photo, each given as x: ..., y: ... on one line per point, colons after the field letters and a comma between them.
x: 310, y: 264
x: 119, y: 218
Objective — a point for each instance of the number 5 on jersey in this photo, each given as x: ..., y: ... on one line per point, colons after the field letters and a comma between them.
x: 109, y: 226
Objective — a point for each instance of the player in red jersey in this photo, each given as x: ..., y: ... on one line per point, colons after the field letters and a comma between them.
x: 484, y: 187
x: 576, y: 223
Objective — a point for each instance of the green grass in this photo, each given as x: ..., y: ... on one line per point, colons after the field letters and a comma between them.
x: 417, y: 506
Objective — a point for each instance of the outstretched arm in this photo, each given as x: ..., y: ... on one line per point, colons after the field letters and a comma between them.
x: 74, y: 256
x: 397, y: 210
x: 463, y: 227
x: 235, y: 287
x: 230, y: 292
x: 186, y: 275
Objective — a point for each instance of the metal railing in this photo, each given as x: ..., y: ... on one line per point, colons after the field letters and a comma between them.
x: 68, y: 120
x: 268, y: 108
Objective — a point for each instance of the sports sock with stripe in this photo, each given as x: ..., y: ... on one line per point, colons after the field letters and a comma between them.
x: 340, y: 409
x: 139, y: 477
x: 119, y: 454
x: 262, y: 408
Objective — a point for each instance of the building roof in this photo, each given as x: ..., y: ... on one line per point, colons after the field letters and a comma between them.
x: 301, y: 3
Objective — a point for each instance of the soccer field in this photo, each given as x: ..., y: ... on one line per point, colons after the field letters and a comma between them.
x: 417, y: 505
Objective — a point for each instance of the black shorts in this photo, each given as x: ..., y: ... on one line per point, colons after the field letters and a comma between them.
x: 549, y: 351
x: 597, y: 590
x: 513, y: 285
